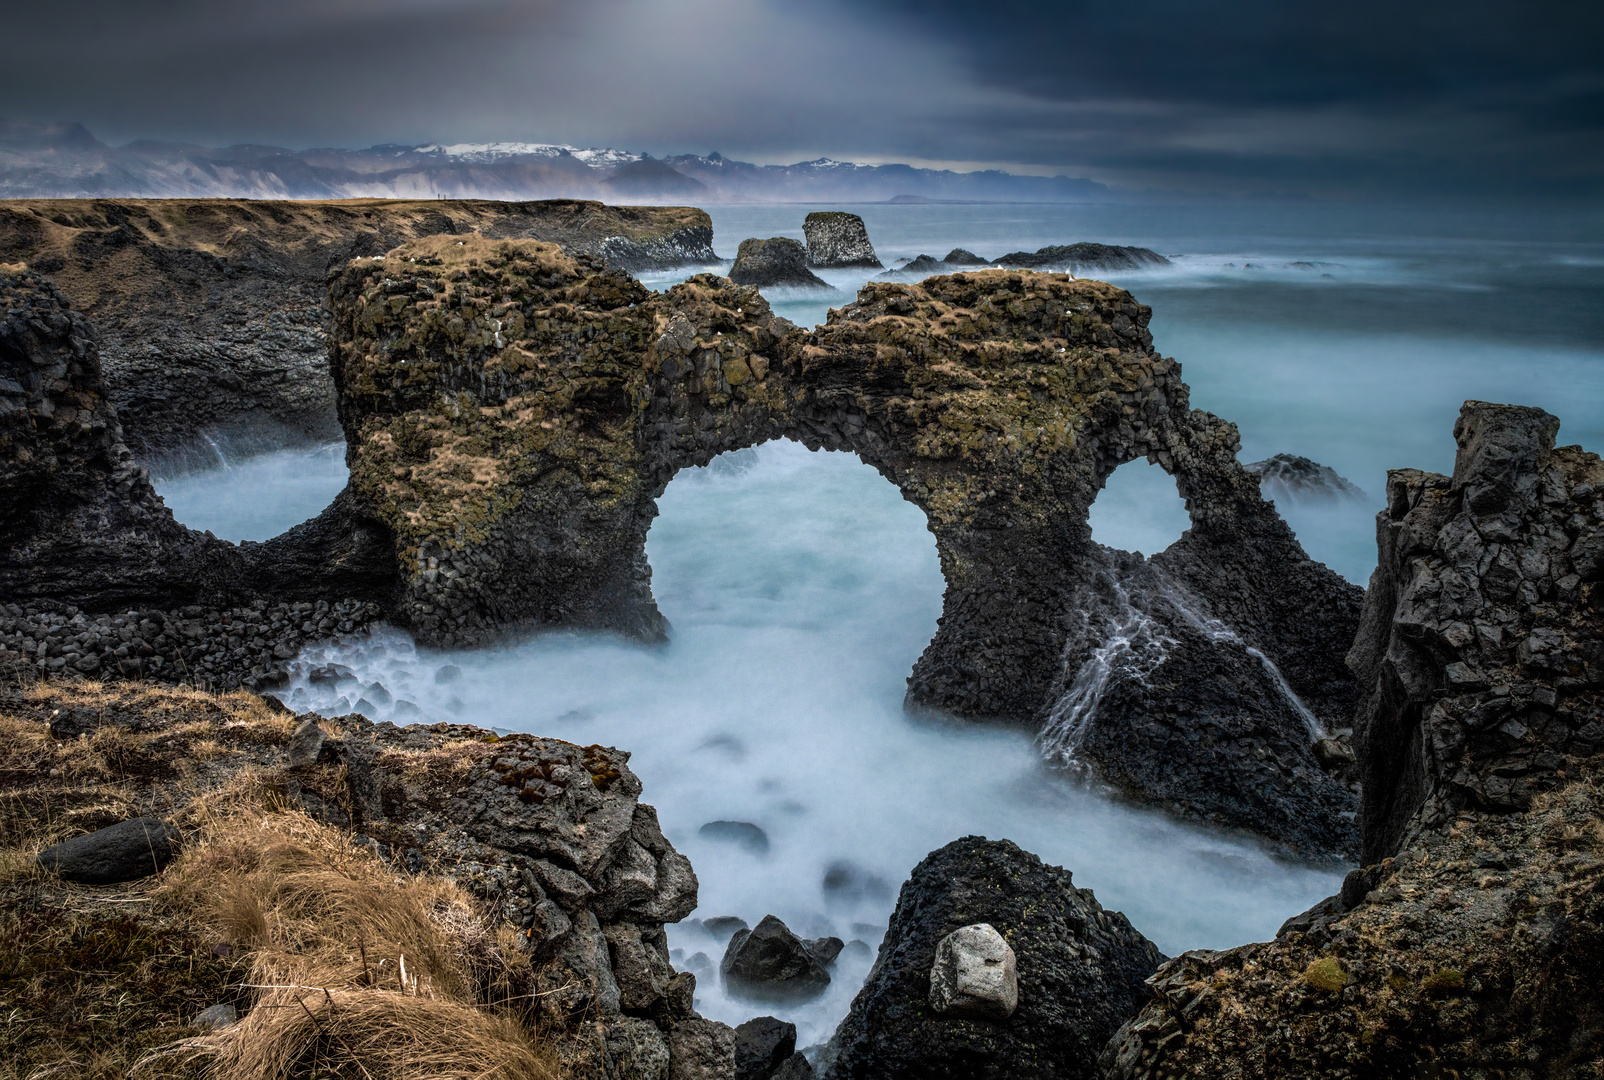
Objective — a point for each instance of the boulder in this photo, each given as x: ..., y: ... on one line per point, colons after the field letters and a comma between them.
x: 975, y: 975
x: 777, y: 261
x: 824, y: 949
x: 770, y: 963
x: 1288, y: 476
x: 795, y: 1067
x: 762, y: 1045
x: 837, y: 239
x: 215, y: 1017
x: 126, y: 851
x: 701, y: 1050
x: 1080, y: 974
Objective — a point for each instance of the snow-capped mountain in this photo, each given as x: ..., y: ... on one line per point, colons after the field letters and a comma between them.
x: 67, y: 161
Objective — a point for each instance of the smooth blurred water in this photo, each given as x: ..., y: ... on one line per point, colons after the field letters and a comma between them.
x: 801, y: 589
x: 256, y: 498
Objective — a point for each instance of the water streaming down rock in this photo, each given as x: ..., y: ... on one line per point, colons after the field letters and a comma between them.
x: 1151, y: 677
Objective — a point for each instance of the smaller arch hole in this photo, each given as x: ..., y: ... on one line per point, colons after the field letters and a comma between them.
x: 1139, y: 509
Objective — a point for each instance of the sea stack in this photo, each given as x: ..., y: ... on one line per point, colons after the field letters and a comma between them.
x: 775, y: 261
x: 837, y: 239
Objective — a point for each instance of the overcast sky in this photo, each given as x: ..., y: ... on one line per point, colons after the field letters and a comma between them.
x: 1195, y: 96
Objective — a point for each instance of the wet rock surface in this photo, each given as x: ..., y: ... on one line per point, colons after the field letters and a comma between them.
x: 223, y: 648
x: 1468, y: 942
x: 213, y: 312
x: 1080, y: 974
x: 1173, y: 708
x: 1289, y: 476
x: 770, y: 963
x: 762, y: 1045
x: 837, y: 239
x: 777, y: 261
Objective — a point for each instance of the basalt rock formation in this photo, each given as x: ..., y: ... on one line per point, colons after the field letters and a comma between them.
x: 837, y: 239
x: 512, y: 415
x: 78, y: 517
x: 1469, y: 943
x: 1080, y: 974
x: 82, y: 528
x: 778, y: 261
x: 212, y: 311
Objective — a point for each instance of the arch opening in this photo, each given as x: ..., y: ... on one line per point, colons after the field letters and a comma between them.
x: 1139, y: 509
x: 256, y: 497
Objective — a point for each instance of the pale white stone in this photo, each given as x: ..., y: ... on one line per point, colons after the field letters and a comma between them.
x: 975, y: 974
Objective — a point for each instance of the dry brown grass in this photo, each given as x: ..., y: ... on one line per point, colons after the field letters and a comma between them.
x: 357, y: 969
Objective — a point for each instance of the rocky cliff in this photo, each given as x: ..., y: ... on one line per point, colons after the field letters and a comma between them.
x: 1469, y: 943
x: 545, y: 839
x: 211, y: 312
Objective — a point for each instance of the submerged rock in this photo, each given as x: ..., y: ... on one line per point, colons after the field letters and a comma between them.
x: 741, y: 833
x: 770, y: 963
x: 837, y: 239
x: 1297, y: 478
x: 1080, y: 973
x: 777, y: 261
x: 1085, y: 256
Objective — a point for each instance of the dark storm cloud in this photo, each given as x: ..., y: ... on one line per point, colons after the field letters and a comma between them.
x: 1477, y: 95
x: 1186, y: 95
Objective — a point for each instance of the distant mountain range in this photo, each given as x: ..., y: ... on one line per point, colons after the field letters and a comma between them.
x: 67, y: 161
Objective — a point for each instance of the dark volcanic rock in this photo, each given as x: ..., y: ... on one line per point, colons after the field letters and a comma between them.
x: 123, y: 852
x: 961, y: 257
x: 762, y: 1045
x: 775, y: 261
x: 921, y: 267
x: 1470, y: 940
x: 838, y: 239
x: 1174, y: 708
x: 1081, y: 972
x: 1297, y: 478
x: 769, y: 963
x: 1482, y: 644
x: 213, y: 314
x: 1084, y: 256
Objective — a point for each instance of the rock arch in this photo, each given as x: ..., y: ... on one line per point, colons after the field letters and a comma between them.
x: 512, y: 413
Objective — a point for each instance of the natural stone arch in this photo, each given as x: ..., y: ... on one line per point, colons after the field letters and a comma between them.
x: 512, y: 414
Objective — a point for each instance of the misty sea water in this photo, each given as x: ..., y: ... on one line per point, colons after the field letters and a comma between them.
x: 801, y: 588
